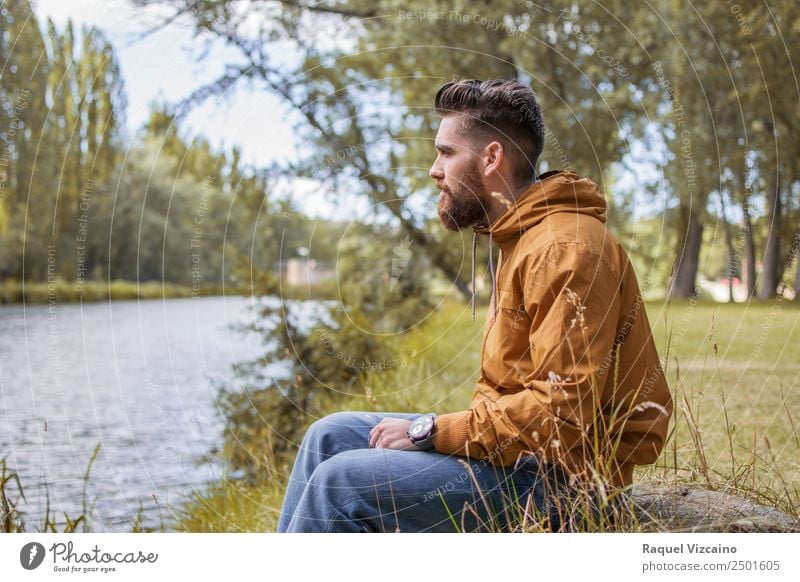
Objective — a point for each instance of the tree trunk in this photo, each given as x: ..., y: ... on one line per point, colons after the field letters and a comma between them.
x: 749, y: 253
x: 683, y: 283
x: 749, y: 264
x: 797, y: 266
x: 771, y: 268
x: 731, y: 250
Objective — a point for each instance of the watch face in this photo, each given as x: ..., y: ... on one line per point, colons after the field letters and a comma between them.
x: 420, y: 427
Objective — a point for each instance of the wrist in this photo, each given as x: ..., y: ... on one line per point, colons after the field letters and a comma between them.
x: 422, y: 432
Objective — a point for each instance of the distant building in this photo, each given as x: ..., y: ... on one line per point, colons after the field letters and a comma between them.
x: 304, y: 272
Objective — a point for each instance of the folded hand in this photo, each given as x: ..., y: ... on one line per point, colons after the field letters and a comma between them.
x: 392, y: 433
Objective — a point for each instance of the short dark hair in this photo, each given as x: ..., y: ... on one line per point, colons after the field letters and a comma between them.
x: 500, y: 110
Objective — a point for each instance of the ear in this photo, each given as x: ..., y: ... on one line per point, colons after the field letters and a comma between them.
x: 494, y: 155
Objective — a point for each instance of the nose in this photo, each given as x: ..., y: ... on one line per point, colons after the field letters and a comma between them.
x: 436, y: 171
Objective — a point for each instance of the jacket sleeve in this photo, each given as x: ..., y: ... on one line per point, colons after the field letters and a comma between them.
x: 573, y: 301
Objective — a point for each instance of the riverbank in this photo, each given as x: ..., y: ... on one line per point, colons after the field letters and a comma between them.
x: 63, y: 291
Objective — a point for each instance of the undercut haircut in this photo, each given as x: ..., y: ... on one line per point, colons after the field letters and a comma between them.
x: 497, y: 110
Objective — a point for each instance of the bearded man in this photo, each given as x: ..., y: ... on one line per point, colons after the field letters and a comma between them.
x: 571, y: 394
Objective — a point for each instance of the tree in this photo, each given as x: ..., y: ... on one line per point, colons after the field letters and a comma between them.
x: 26, y: 144
x: 366, y: 102
x: 62, y: 111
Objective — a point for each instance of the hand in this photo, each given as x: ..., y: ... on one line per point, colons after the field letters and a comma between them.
x: 392, y: 433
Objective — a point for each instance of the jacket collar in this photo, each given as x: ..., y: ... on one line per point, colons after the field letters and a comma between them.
x: 554, y: 191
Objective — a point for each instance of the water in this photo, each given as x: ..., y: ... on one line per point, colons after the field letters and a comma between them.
x: 138, y: 377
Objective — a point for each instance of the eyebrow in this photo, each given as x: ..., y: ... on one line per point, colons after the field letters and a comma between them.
x: 444, y: 148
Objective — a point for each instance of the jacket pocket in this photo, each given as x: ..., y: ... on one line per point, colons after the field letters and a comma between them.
x: 511, y: 312
x: 506, y: 359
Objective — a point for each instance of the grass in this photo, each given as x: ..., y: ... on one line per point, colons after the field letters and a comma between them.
x: 732, y: 369
x: 232, y: 506
x: 12, y: 520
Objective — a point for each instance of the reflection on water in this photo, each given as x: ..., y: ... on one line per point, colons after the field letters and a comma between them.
x: 139, y: 377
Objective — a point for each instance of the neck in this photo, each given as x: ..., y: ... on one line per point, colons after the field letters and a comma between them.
x: 497, y: 207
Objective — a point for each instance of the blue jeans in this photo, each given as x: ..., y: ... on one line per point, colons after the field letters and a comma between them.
x: 339, y: 484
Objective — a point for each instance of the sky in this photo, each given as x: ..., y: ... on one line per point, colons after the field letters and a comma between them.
x: 164, y: 66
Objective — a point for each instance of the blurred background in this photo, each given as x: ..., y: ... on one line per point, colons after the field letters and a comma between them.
x: 217, y: 225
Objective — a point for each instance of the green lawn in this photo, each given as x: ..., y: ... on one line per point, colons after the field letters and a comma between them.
x: 737, y: 367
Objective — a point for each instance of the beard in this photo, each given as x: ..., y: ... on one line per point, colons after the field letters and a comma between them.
x: 464, y: 206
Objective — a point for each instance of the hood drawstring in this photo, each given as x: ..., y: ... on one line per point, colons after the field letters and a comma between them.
x: 494, y: 283
x: 474, y: 246
x: 491, y: 271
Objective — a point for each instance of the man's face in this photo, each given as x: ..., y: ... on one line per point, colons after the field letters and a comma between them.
x: 462, y: 202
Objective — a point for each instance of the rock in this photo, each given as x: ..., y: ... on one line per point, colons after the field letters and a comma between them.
x: 692, y: 508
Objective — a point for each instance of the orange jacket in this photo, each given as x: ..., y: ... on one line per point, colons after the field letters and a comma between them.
x: 569, y: 369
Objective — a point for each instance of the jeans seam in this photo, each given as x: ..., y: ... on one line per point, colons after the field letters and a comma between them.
x: 340, y: 508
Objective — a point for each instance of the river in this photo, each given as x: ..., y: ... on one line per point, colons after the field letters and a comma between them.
x: 138, y: 377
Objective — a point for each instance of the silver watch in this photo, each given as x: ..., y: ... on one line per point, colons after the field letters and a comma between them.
x: 422, y: 430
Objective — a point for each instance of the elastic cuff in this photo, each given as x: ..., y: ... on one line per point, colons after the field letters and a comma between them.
x: 452, y: 433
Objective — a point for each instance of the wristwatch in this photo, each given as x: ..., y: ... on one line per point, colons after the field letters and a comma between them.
x: 422, y: 430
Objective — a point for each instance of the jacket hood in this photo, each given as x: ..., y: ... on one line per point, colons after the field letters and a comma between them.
x: 555, y: 191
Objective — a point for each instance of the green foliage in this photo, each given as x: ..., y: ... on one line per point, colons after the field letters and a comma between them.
x: 383, y: 278
x: 382, y: 293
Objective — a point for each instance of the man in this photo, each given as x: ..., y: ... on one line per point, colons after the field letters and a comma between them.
x: 571, y: 394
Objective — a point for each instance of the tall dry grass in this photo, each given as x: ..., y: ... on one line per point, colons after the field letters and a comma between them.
x: 727, y: 434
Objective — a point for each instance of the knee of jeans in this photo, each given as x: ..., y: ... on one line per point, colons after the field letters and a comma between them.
x: 327, y: 425
x: 336, y: 421
x: 330, y: 478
